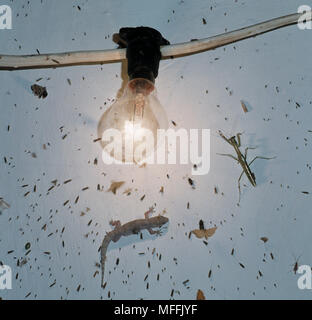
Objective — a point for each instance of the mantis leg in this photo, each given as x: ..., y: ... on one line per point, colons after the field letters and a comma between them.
x: 248, y: 148
x: 228, y: 155
x: 224, y: 138
x: 258, y: 157
x: 239, y: 139
x: 239, y: 187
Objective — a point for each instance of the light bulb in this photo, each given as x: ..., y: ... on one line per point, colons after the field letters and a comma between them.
x: 129, y: 127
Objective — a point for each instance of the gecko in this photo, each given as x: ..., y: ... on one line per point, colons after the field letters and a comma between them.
x: 127, y: 229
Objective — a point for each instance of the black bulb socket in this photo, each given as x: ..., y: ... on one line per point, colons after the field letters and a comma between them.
x: 143, y: 51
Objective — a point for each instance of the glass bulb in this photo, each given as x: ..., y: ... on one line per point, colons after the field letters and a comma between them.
x: 129, y: 127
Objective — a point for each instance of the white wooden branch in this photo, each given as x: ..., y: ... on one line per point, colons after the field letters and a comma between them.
x: 18, y: 62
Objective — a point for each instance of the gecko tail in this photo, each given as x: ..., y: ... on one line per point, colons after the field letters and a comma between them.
x: 104, y: 247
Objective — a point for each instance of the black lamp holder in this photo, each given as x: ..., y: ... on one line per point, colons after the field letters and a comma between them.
x: 143, y: 51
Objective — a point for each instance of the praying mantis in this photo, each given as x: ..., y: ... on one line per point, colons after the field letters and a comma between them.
x: 235, y: 142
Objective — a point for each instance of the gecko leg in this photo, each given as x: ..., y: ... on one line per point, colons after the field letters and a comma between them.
x: 148, y: 212
x: 152, y: 232
x: 115, y: 234
x: 115, y: 223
